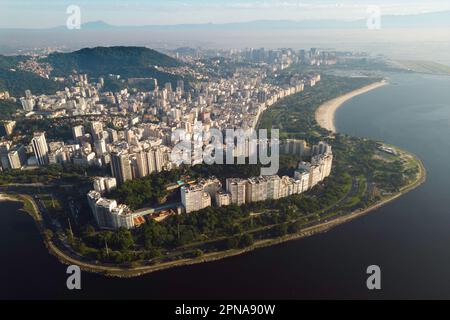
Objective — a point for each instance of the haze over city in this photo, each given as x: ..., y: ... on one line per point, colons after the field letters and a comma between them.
x: 341, y: 25
x: 224, y: 149
x: 44, y: 14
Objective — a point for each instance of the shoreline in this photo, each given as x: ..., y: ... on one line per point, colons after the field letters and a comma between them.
x: 325, y: 114
x: 124, y: 272
x: 328, y: 109
x: 7, y: 197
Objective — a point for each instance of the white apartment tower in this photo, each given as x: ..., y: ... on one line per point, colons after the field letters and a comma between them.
x: 194, y: 198
x: 236, y: 187
x: 121, y: 166
x: 40, y: 148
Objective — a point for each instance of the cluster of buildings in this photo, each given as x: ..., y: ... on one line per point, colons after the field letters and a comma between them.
x: 131, y: 132
x: 32, y: 65
x: 15, y: 156
x: 109, y: 214
x: 37, y: 153
x: 81, y: 98
x: 278, y: 59
x: 207, y: 192
x: 317, y: 57
x: 241, y: 191
x: 235, y: 100
x: 141, y: 140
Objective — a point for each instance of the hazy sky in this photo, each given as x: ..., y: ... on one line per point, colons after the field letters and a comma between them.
x: 49, y: 13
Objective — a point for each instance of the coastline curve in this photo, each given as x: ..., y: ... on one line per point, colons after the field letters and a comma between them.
x: 325, y: 113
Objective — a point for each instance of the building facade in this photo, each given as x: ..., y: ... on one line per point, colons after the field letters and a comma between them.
x: 40, y: 148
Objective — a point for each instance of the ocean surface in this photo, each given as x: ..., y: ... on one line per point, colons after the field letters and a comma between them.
x: 409, y: 239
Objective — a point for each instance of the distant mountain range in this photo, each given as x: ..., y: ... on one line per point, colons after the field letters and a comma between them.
x: 432, y: 19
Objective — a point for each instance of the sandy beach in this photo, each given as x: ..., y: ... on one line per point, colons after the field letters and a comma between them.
x: 6, y: 197
x: 325, y: 113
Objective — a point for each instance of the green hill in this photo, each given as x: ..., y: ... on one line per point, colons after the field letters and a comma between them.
x: 16, y: 82
x: 100, y: 61
x: 9, y: 62
x: 128, y: 62
x: 8, y: 108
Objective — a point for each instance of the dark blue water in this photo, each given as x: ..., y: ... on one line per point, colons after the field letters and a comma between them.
x: 409, y: 238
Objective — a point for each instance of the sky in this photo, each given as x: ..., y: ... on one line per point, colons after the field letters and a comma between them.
x: 51, y: 13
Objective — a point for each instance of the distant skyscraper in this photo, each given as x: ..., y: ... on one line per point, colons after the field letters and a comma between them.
x: 40, y: 148
x: 180, y: 87
x: 121, y: 166
x: 155, y: 85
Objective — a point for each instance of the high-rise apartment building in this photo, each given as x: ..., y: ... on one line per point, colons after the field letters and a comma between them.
x: 273, y: 187
x: 256, y: 189
x: 110, y: 215
x: 236, y: 187
x: 17, y: 156
x: 96, y: 130
x: 4, y: 150
x: 162, y: 154
x: 40, y: 148
x: 104, y: 184
x: 194, y: 198
x: 121, y: 166
x: 223, y: 199
x: 100, y: 147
